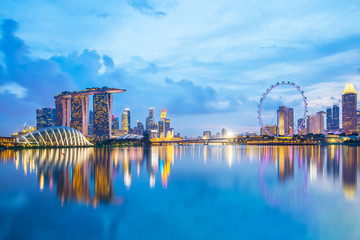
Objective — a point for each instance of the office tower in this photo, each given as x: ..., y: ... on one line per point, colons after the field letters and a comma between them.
x: 140, y: 128
x: 358, y: 121
x: 207, y: 134
x: 161, y: 127
x: 349, y: 106
x: 43, y: 118
x: 301, y: 126
x: 127, y: 110
x: 80, y: 113
x: 62, y: 111
x: 329, y: 119
x: 53, y: 117
x: 285, y: 120
x: 282, y: 121
x: 150, y: 120
x: 270, y: 128
x: 163, y: 114
x: 290, y: 129
x: 164, y: 123
x: 125, y: 122
x: 102, y: 116
x: 223, y: 133
x: 167, y: 125
x: 91, y: 123
x: 115, y: 123
x: 336, y: 118
x: 315, y: 123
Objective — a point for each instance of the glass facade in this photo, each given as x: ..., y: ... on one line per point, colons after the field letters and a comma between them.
x: 102, y: 116
x: 55, y: 136
x: 349, y: 105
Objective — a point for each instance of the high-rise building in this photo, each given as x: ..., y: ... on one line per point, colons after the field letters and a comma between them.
x: 125, y: 122
x: 167, y: 125
x: 77, y: 103
x: 150, y: 120
x: 358, y: 121
x: 164, y: 123
x: 53, y: 117
x: 127, y: 110
x: 285, y: 121
x: 223, y: 133
x: 329, y: 119
x: 207, y: 134
x: 161, y: 127
x: 62, y: 111
x: 332, y: 118
x: 301, y: 126
x: 140, y: 128
x: 80, y: 113
x: 91, y: 123
x: 336, y: 118
x: 315, y: 123
x: 102, y: 116
x: 44, y: 118
x: 349, y: 106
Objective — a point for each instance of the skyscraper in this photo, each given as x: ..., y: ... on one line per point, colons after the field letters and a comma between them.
x: 315, y: 123
x: 44, y: 118
x: 358, y: 121
x: 91, y: 123
x: 62, y: 111
x: 80, y: 113
x: 127, y: 110
x: 125, y: 122
x: 150, y: 120
x: 336, y: 118
x: 349, y: 105
x: 285, y: 120
x: 329, y: 119
x: 140, y: 128
x: 102, y: 116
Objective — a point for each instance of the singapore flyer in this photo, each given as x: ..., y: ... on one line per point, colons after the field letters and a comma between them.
x: 280, y: 96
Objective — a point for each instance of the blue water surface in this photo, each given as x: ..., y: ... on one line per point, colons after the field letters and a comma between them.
x: 180, y: 192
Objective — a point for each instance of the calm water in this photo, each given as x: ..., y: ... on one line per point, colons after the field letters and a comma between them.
x: 174, y: 192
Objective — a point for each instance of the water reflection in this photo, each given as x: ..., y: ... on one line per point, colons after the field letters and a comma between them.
x: 86, y: 175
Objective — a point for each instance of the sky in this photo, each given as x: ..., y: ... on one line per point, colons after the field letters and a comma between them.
x: 207, y: 62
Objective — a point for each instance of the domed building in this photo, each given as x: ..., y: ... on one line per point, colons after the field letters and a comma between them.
x: 54, y: 136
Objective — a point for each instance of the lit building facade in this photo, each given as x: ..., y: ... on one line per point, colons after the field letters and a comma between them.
x: 150, y: 120
x: 72, y: 109
x: 285, y: 121
x: 80, y: 113
x: 349, y: 107
x: 358, y: 121
x: 127, y: 110
x: 271, y: 129
x: 315, y: 123
x: 44, y: 118
x: 125, y: 122
x: 207, y: 134
x: 332, y: 118
x: 102, y: 116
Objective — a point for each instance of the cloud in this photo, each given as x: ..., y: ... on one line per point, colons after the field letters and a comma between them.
x: 14, y: 89
x: 151, y: 7
x: 188, y: 98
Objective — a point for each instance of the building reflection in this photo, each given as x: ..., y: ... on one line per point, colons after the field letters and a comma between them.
x: 86, y: 175
x: 349, y: 171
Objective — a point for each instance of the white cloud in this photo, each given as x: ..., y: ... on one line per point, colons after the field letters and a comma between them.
x: 13, y: 88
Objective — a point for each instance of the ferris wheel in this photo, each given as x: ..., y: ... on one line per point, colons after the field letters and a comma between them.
x: 272, y: 87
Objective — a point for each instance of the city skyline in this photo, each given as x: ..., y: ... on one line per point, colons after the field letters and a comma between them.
x: 210, y: 78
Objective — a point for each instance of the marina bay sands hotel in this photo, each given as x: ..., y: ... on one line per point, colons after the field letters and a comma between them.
x: 72, y: 110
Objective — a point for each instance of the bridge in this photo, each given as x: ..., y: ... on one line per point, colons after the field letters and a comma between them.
x: 204, y: 141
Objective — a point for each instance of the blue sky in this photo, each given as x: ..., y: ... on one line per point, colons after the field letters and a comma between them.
x: 206, y: 62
